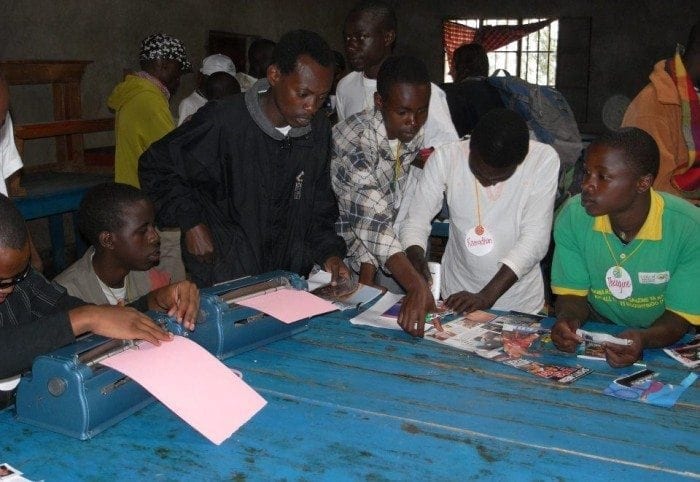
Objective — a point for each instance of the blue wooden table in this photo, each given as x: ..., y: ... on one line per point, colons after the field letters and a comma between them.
x: 352, y: 403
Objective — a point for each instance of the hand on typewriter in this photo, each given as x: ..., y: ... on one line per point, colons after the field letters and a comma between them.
x: 179, y: 300
x: 119, y: 322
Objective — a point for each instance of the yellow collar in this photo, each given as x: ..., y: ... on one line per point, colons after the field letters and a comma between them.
x: 651, y: 229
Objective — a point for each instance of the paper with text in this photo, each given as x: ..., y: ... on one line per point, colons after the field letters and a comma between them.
x: 193, y: 383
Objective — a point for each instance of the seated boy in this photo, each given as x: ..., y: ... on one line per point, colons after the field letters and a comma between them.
x: 500, y: 189
x: 124, y: 262
x: 625, y: 253
x: 373, y: 177
x: 37, y: 316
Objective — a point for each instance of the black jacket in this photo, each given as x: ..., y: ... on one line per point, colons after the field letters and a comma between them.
x: 266, y: 197
x: 33, y: 321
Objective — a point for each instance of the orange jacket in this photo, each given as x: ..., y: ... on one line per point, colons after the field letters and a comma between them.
x: 657, y: 110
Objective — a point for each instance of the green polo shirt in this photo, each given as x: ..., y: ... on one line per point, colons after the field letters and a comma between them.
x: 663, y: 261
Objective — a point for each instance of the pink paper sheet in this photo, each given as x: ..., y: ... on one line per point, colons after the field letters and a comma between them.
x: 192, y: 383
x: 288, y: 305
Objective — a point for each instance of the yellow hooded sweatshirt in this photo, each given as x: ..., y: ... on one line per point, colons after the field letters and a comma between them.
x: 142, y: 117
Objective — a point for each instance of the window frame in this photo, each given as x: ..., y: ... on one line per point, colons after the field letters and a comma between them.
x: 522, y: 57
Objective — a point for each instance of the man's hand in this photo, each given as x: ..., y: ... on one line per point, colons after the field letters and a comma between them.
x: 339, y: 272
x: 119, y: 322
x: 416, y: 304
x: 625, y: 355
x: 466, y: 302
x: 199, y: 244
x: 179, y: 300
x: 416, y: 255
x: 564, y: 334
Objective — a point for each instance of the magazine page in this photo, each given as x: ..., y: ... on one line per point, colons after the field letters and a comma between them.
x: 505, y: 339
x: 346, y: 295
x: 687, y: 353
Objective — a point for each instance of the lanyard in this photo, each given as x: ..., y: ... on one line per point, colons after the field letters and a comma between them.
x: 397, y: 166
x: 479, y: 230
x: 623, y: 256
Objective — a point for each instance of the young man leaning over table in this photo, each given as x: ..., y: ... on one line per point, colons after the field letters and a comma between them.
x: 500, y: 189
x: 247, y: 178
x: 626, y: 253
x: 374, y: 159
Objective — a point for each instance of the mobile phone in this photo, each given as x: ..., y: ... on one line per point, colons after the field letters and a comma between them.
x: 635, y: 378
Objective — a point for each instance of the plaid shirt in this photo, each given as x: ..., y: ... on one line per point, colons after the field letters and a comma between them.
x: 362, y: 173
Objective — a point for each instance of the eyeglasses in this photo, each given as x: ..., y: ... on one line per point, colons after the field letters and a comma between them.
x: 16, y: 279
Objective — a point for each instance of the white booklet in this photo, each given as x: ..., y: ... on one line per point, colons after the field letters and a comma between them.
x: 380, y: 315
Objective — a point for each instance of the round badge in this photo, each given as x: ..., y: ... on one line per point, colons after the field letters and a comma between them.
x: 619, y: 282
x: 479, y: 241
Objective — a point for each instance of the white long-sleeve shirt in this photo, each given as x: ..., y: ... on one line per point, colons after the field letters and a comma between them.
x: 516, y: 212
x: 189, y: 105
x: 355, y: 93
x: 10, y: 161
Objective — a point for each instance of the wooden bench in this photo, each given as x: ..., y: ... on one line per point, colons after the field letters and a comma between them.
x: 62, y: 128
x: 51, y: 189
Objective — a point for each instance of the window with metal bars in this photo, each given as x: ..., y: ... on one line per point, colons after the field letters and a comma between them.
x: 532, y: 57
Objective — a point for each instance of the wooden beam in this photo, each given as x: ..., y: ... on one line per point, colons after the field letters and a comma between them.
x: 62, y: 128
x: 26, y: 72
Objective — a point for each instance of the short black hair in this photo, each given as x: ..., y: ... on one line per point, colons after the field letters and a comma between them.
x: 13, y: 229
x: 102, y: 209
x: 470, y: 60
x: 258, y: 45
x: 641, y: 153
x: 501, y: 138
x: 296, y: 43
x: 401, y: 69
x: 379, y: 10
x: 219, y: 85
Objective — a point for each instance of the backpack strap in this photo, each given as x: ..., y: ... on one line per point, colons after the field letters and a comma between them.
x: 501, y: 71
